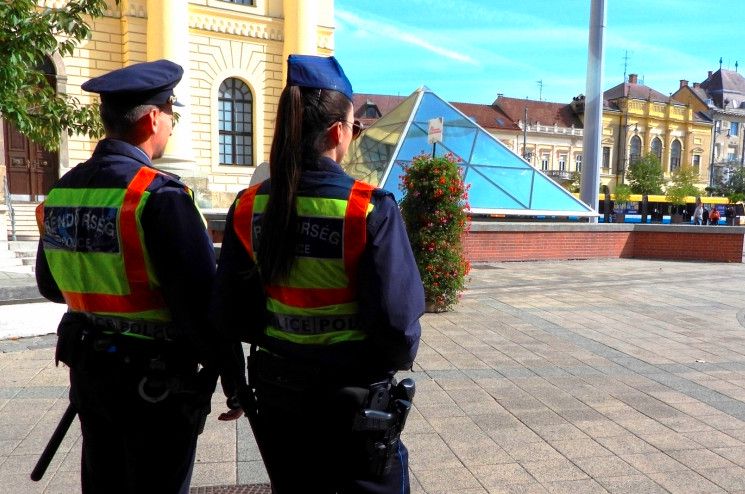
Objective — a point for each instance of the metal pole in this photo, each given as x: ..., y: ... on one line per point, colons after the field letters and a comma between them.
x: 593, y: 107
x: 713, y: 150
x: 525, y: 134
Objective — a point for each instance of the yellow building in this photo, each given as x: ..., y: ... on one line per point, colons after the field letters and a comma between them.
x: 233, y: 53
x: 638, y: 120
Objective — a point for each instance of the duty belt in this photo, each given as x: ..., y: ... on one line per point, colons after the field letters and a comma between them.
x: 155, y: 330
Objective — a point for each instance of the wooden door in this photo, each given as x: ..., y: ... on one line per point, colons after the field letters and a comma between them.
x: 31, y: 169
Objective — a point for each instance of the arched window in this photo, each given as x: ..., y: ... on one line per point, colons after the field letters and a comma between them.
x: 635, y: 149
x: 235, y: 115
x: 657, y: 148
x: 674, y: 155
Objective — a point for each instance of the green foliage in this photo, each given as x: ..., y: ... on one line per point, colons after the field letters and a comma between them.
x: 573, y: 184
x: 27, y: 36
x: 682, y: 185
x: 645, y: 175
x: 434, y: 209
x: 737, y: 197
x: 622, y: 193
x: 731, y: 181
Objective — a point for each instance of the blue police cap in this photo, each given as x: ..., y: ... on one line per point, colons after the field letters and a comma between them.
x: 148, y: 83
x: 317, y: 72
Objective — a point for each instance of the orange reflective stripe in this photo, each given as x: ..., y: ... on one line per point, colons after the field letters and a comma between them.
x: 139, y: 301
x: 39, y: 213
x: 243, y: 219
x: 134, y: 257
x: 310, y: 297
x: 355, y: 228
x: 141, y: 296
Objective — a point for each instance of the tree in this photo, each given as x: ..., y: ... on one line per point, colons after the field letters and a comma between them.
x: 645, y: 175
x: 682, y: 185
x: 28, y: 35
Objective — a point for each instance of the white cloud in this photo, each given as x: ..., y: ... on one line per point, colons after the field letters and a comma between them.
x: 386, y: 30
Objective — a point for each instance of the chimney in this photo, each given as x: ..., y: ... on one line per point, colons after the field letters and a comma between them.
x: 696, y: 84
x: 632, y: 78
x: 710, y: 73
x: 683, y: 83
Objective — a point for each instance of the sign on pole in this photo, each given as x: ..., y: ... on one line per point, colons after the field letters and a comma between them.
x: 434, y: 134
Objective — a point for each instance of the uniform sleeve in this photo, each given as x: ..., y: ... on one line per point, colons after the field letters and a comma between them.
x: 183, y: 258
x: 391, y: 291
x: 238, y: 308
x: 44, y: 280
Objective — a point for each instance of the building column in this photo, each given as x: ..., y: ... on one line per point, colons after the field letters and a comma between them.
x: 301, y: 29
x: 168, y: 37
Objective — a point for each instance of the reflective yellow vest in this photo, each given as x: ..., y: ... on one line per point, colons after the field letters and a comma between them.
x: 94, y: 245
x: 317, y: 305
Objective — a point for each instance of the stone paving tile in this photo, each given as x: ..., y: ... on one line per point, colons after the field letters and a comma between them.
x: 686, y: 482
x: 627, y: 444
x: 731, y: 479
x: 653, y: 462
x: 631, y: 484
x: 605, y: 466
x: 700, y: 459
x: 553, y: 470
x: 447, y: 480
x: 580, y: 448
x: 583, y: 486
x: 735, y: 455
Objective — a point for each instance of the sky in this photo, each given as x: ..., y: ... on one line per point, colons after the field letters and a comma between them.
x: 472, y: 50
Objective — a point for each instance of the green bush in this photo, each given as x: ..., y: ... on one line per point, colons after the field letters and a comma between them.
x: 434, y: 209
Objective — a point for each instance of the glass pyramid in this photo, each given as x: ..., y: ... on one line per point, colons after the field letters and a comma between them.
x: 501, y: 181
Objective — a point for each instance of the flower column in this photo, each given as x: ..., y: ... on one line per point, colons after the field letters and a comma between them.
x: 168, y: 37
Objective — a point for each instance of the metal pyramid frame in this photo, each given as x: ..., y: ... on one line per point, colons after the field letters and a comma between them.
x: 501, y: 182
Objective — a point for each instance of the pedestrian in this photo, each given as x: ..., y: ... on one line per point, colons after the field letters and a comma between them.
x: 327, y: 261
x: 714, y: 216
x: 705, y: 217
x: 124, y: 246
x: 698, y: 214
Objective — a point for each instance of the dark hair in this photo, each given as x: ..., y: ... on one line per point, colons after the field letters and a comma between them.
x: 119, y: 120
x: 303, y: 117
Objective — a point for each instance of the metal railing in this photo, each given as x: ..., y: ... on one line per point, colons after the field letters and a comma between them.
x: 11, y: 211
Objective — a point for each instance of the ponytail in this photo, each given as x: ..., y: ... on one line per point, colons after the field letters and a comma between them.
x: 303, y: 117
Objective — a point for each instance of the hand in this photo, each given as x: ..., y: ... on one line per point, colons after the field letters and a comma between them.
x: 233, y: 414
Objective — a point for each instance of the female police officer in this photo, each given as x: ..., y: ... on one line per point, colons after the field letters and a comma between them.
x: 316, y: 271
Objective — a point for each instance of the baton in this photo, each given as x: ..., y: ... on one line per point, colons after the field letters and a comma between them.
x: 59, y: 434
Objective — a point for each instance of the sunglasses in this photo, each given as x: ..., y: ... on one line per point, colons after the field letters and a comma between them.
x: 356, y: 128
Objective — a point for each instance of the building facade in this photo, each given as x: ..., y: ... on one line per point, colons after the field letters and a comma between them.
x: 233, y: 53
x: 721, y: 96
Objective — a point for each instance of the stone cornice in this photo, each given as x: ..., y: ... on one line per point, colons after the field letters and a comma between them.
x: 206, y: 19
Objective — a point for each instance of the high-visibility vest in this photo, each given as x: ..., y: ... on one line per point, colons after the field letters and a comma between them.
x: 317, y: 304
x: 94, y: 245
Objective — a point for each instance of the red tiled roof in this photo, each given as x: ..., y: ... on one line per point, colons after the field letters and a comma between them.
x: 487, y: 116
x: 543, y: 112
x: 637, y: 91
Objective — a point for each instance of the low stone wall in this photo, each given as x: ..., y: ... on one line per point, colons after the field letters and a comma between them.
x: 497, y: 241
x: 504, y: 241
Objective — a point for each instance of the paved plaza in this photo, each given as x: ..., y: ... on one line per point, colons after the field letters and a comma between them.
x: 622, y: 376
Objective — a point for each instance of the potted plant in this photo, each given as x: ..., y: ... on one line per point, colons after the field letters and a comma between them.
x: 623, y: 194
x: 434, y: 209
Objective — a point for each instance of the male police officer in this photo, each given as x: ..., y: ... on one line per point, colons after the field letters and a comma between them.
x: 124, y: 246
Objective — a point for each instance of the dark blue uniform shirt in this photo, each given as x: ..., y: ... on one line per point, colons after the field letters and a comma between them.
x: 391, y: 295
x: 176, y: 239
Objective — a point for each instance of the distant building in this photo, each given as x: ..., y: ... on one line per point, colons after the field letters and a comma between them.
x: 233, y: 53
x: 636, y: 120
x: 722, y: 98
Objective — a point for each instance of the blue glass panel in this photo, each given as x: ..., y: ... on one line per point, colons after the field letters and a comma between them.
x: 515, y: 183
x: 484, y: 195
x: 457, y: 140
x: 547, y: 194
x: 432, y: 106
x: 415, y: 143
x: 394, y: 179
x: 489, y: 151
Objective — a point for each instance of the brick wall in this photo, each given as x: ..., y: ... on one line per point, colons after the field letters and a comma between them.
x: 495, y: 242
x: 531, y: 241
